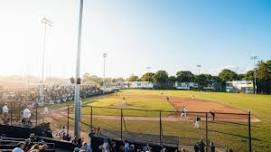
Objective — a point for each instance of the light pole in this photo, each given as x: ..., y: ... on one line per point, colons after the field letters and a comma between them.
x: 199, y: 66
x: 104, y: 57
x: 254, y: 58
x: 77, y: 102
x: 46, y: 23
x: 149, y: 70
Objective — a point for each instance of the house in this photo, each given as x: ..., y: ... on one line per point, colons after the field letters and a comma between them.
x: 141, y: 85
x: 239, y: 86
x: 185, y: 85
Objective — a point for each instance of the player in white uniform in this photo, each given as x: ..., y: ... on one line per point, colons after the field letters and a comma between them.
x: 184, y: 112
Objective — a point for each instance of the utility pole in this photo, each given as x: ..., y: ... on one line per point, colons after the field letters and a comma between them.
x: 77, y: 101
x: 254, y: 58
x: 47, y: 23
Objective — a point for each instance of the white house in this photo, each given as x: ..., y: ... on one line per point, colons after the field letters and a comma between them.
x: 185, y: 85
x: 141, y: 85
x: 239, y: 86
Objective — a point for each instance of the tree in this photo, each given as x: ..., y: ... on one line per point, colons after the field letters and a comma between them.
x: 203, y: 80
x: 171, y: 81
x: 161, y: 78
x: 133, y: 78
x: 263, y: 77
x: 91, y: 79
x: 149, y: 76
x: 185, y: 76
x: 227, y: 75
x: 249, y: 75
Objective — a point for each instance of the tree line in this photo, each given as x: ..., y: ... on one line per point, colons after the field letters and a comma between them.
x: 162, y: 80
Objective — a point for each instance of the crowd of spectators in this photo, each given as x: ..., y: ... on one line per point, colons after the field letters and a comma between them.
x: 52, y: 93
x: 32, y: 144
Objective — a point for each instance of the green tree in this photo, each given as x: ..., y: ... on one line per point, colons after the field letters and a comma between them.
x: 203, y: 80
x: 249, y: 75
x: 91, y: 79
x: 171, y: 81
x: 149, y: 76
x: 227, y: 75
x: 263, y: 77
x: 161, y: 78
x: 185, y: 76
x: 133, y: 78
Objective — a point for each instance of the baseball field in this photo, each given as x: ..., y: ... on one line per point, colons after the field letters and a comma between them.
x: 141, y: 111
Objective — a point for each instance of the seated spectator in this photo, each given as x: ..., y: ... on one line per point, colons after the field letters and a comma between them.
x: 66, y: 137
x: 19, y: 147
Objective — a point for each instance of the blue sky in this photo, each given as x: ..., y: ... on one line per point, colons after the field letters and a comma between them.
x: 163, y: 34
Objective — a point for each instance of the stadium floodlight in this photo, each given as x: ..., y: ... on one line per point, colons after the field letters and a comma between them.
x: 104, y: 56
x: 254, y: 58
x: 149, y: 70
x: 199, y: 66
x: 77, y: 101
x: 47, y: 23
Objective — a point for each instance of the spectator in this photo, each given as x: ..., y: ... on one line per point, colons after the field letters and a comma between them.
x: 196, y: 147
x: 106, y: 146
x: 126, y: 146
x: 201, y: 146
x: 5, y: 111
x: 26, y: 116
x: 114, y: 147
x: 196, y: 124
x: 76, y: 149
x: 19, y: 147
x: 212, y: 147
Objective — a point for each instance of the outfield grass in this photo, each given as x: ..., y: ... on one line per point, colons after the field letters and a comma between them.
x: 259, y: 105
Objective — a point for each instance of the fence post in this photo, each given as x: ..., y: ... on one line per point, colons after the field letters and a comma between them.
x: 160, y: 112
x: 36, y: 113
x: 68, y: 120
x: 206, y: 128
x: 121, y: 117
x: 249, y: 132
x: 11, y: 110
x: 91, y: 125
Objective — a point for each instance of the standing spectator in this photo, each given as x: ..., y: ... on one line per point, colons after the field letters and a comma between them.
x: 196, y: 147
x: 26, y: 116
x: 212, y: 147
x: 114, y: 147
x: 19, y: 147
x: 201, y: 146
x: 5, y: 111
x: 213, y: 114
x: 106, y: 146
x: 126, y: 146
x: 196, y: 124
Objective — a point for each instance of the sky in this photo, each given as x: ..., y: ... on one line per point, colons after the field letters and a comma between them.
x: 171, y: 35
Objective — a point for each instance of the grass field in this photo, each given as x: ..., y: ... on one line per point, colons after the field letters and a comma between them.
x: 223, y: 134
x: 259, y: 105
